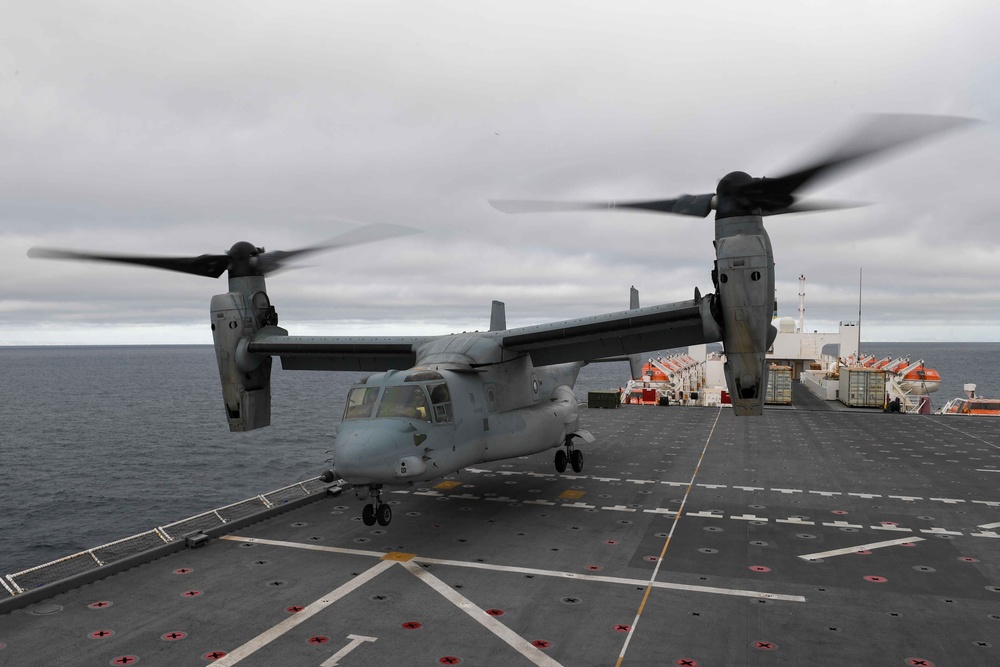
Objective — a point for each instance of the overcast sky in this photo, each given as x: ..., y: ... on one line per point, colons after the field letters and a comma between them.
x: 180, y: 128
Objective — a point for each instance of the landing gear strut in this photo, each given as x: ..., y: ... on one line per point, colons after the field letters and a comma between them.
x: 570, y: 455
x: 378, y: 511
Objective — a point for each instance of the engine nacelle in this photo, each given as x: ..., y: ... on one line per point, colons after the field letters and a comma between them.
x: 246, y: 379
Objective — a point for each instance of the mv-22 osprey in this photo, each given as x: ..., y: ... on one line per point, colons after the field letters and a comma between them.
x: 437, y: 404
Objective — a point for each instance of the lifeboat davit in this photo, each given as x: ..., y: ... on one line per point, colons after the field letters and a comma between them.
x: 921, y: 380
x: 653, y: 374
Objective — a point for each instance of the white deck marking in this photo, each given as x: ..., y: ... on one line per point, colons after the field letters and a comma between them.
x: 303, y: 545
x: 986, y: 533
x: 986, y: 470
x: 356, y: 641
x: 527, y: 570
x: 939, y: 531
x: 969, y: 435
x: 610, y: 580
x: 861, y: 547
x: 268, y: 636
x: 989, y: 525
x: 514, y: 640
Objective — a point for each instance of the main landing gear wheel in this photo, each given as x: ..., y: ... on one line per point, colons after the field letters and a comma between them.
x: 561, y: 460
x: 576, y: 460
x: 384, y: 515
x: 368, y: 515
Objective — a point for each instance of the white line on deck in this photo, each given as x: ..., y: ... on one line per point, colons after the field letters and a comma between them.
x: 514, y: 640
x: 268, y: 636
x: 989, y: 525
x: 356, y: 641
x: 862, y: 547
x: 527, y: 570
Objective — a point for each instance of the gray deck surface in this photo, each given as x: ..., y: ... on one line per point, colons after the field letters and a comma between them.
x: 512, y: 564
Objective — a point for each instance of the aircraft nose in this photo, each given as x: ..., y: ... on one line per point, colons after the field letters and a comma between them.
x: 364, y: 456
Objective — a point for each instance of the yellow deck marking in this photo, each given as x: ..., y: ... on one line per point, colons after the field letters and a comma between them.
x: 448, y: 486
x: 398, y: 556
x: 663, y: 552
x: 572, y: 494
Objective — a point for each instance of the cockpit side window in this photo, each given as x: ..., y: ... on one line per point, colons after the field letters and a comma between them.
x: 360, y: 403
x: 408, y: 401
x: 442, y: 403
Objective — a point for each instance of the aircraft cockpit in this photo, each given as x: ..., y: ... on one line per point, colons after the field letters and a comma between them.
x: 415, y: 394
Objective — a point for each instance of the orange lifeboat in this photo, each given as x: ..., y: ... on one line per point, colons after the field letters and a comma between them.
x: 921, y: 380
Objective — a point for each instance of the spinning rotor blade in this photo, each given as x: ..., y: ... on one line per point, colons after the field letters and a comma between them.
x: 269, y: 262
x: 810, y: 205
x: 877, y: 134
x: 696, y: 205
x: 210, y: 266
x: 741, y: 194
x: 242, y: 259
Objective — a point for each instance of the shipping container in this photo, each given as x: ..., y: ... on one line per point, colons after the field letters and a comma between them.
x: 862, y: 387
x: 779, y: 385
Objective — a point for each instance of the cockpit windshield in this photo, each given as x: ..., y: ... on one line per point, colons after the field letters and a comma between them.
x: 360, y: 403
x: 408, y: 401
x: 427, y: 401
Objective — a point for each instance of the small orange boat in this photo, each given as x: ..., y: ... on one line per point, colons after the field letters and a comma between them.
x: 972, y: 404
x: 918, y: 379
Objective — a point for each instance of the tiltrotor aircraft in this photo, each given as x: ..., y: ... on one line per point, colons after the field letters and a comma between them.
x: 437, y: 404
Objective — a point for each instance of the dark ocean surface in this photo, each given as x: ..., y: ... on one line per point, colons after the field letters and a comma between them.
x: 99, y: 443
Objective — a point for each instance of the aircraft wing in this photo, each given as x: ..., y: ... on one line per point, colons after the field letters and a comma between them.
x: 614, y: 334
x: 336, y: 353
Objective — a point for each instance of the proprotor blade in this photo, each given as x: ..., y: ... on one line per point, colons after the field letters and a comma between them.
x: 210, y: 266
x: 875, y: 135
x: 243, y: 258
x: 696, y: 205
x: 810, y: 205
x: 270, y: 262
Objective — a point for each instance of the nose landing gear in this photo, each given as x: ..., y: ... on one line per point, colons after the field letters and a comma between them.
x: 378, y: 511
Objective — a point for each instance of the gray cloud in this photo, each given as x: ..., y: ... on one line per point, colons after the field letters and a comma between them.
x: 184, y: 128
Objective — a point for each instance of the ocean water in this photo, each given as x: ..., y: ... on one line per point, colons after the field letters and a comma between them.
x: 99, y: 443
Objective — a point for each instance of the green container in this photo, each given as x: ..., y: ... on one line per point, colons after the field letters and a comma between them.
x: 602, y: 399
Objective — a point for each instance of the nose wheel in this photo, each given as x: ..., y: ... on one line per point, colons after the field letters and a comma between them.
x: 570, y: 455
x: 377, y: 511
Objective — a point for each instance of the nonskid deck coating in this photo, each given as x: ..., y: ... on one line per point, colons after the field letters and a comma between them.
x: 511, y: 563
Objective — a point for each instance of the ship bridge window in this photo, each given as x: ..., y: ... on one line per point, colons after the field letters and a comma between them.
x: 441, y: 399
x: 407, y: 402
x: 360, y: 403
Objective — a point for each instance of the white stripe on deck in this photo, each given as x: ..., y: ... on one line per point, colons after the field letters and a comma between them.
x: 268, y: 636
x: 862, y: 547
x: 528, y: 570
x: 478, y: 614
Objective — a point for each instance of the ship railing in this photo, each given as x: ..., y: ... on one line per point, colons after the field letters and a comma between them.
x: 91, y: 559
